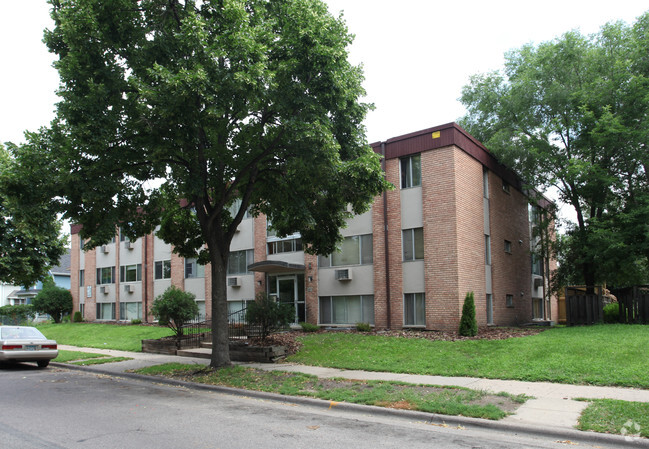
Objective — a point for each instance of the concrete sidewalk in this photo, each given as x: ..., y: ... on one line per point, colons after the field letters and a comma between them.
x: 554, y: 405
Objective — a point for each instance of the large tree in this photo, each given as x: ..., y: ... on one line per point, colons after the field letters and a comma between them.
x: 188, y: 113
x: 30, y: 237
x: 572, y: 114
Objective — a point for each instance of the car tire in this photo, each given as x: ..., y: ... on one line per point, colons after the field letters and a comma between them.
x: 43, y: 363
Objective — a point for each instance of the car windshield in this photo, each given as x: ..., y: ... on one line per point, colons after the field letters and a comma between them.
x: 15, y: 333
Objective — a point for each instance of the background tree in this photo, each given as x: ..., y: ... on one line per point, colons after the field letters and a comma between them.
x: 30, y: 239
x: 175, y: 308
x: 571, y: 114
x: 228, y: 105
x: 53, y: 300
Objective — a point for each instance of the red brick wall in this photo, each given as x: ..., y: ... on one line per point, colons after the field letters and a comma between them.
x: 511, y: 273
x: 470, y: 233
x: 395, y: 319
x: 177, y: 271
x: 74, y: 270
x: 440, y: 238
x: 378, y: 255
x: 90, y: 309
x: 148, y: 266
x: 260, y: 252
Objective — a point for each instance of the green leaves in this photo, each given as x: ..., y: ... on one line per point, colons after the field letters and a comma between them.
x: 30, y: 239
x: 570, y: 114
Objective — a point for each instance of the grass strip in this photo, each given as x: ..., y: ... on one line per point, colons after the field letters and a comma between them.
x: 598, y: 355
x: 67, y: 356
x: 86, y: 358
x: 428, y: 398
x: 618, y: 417
x: 105, y: 336
x: 100, y: 361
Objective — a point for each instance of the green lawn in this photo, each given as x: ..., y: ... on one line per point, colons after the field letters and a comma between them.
x: 106, y: 336
x: 599, y: 355
x: 445, y: 400
x: 611, y: 416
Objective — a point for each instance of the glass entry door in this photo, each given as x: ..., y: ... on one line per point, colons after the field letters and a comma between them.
x: 289, y: 289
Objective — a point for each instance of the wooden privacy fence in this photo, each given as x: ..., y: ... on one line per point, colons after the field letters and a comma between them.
x: 583, y: 308
x: 634, y: 304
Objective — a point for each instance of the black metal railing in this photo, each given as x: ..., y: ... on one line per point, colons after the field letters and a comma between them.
x: 200, y: 330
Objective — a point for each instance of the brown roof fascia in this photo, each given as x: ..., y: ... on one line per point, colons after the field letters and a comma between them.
x: 443, y: 136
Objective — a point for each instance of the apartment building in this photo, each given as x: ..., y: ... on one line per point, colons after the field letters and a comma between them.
x: 457, y: 221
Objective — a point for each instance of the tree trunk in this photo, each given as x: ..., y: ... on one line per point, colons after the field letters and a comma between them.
x: 220, y: 338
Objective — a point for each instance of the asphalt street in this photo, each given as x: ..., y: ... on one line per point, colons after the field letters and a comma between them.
x: 61, y: 408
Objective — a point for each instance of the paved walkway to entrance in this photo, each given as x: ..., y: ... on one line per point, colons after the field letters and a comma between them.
x: 554, y: 405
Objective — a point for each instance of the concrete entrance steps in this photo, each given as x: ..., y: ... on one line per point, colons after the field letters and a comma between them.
x: 201, y: 353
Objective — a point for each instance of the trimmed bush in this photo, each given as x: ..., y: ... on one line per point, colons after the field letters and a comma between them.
x: 175, y: 308
x: 77, y: 317
x: 468, y: 323
x: 308, y: 327
x: 136, y: 321
x: 363, y: 327
x: 269, y: 315
x: 612, y: 312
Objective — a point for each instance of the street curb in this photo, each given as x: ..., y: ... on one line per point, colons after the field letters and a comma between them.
x: 429, y: 418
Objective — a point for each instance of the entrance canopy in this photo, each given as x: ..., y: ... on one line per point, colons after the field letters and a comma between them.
x: 275, y: 266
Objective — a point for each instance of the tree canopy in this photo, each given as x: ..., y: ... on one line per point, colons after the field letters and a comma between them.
x: 573, y: 114
x: 30, y: 239
x: 227, y: 106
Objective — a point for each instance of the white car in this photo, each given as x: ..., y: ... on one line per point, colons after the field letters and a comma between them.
x: 26, y: 344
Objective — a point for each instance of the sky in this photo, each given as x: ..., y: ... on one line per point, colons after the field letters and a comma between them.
x: 416, y: 54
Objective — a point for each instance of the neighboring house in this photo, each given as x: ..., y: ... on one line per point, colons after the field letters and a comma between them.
x: 458, y: 221
x: 21, y: 295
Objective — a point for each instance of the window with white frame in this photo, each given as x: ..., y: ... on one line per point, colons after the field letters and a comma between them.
x: 413, y: 244
x: 354, y: 250
x: 239, y: 260
x: 82, y: 278
x: 105, y: 275
x: 410, y: 171
x: 347, y: 309
x: 537, y: 265
x: 130, y: 273
x: 130, y: 311
x: 105, y: 310
x: 162, y: 269
x: 234, y: 209
x: 414, y: 309
x: 284, y: 246
x: 193, y: 269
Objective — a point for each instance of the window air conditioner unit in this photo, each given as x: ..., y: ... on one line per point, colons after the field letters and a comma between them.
x: 104, y: 289
x: 104, y: 249
x: 129, y: 288
x: 344, y: 275
x: 538, y: 282
x: 128, y: 244
x: 234, y: 282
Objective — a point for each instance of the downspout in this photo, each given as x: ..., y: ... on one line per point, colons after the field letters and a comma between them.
x: 146, y: 279
x: 386, y: 242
